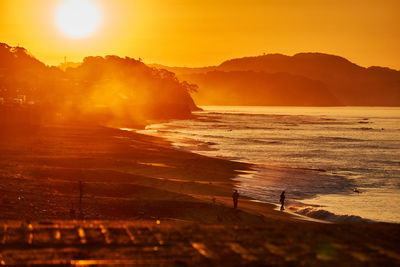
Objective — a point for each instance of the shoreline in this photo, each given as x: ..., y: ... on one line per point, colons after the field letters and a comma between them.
x: 334, y: 184
x: 296, y: 207
x: 138, y: 182
x: 254, y: 169
x: 249, y: 172
x: 139, y: 176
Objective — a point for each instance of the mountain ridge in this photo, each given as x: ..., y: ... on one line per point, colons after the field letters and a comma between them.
x: 349, y: 83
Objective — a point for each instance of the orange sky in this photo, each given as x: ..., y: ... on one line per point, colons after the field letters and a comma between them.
x: 207, y: 32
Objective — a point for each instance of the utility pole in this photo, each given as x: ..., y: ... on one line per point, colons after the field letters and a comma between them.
x: 80, y: 199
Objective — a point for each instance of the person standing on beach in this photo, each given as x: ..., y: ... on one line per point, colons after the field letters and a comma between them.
x: 282, y: 200
x: 235, y: 197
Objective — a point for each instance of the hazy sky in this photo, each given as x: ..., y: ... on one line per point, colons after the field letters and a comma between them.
x: 207, y: 32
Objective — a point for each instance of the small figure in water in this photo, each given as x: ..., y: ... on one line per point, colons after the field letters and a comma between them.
x: 235, y: 197
x: 282, y: 200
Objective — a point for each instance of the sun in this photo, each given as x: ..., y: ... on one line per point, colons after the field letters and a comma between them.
x: 78, y: 18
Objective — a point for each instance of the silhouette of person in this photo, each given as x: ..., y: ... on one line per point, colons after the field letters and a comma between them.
x: 235, y: 197
x: 282, y: 200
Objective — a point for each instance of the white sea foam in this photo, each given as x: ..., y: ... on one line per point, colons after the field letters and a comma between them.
x: 318, y: 155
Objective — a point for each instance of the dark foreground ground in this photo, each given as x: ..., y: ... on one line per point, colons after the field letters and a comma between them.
x: 176, y: 243
x: 131, y: 181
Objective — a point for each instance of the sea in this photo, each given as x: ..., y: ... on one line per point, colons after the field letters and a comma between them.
x: 338, y: 164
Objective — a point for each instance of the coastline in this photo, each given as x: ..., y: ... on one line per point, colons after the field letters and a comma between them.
x: 143, y: 163
x: 295, y: 209
x: 130, y: 173
x: 314, y: 164
x: 144, y: 183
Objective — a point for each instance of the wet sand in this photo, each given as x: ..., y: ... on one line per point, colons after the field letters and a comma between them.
x: 124, y: 175
x: 129, y: 178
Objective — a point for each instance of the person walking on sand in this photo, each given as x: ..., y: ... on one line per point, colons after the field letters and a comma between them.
x: 282, y: 200
x: 235, y: 197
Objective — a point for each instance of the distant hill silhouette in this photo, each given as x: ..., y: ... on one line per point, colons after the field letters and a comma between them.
x: 259, y: 88
x: 109, y: 89
x: 326, y: 80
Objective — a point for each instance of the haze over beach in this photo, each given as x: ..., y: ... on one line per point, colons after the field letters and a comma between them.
x: 199, y: 133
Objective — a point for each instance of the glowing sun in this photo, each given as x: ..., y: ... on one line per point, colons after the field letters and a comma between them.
x: 78, y: 18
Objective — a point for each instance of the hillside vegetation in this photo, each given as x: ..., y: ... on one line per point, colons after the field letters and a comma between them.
x: 101, y: 89
x: 313, y: 79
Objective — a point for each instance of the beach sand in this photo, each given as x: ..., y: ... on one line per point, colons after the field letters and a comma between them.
x: 130, y: 178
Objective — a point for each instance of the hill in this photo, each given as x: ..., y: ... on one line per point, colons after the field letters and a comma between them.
x: 259, y: 88
x: 343, y: 82
x: 101, y: 89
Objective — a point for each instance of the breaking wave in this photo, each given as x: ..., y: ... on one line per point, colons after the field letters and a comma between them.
x: 308, y: 152
x: 328, y: 216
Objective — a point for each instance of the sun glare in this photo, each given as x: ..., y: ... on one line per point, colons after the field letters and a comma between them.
x: 78, y: 18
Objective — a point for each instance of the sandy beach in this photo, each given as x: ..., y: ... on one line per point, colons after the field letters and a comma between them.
x: 130, y: 178
x: 199, y: 133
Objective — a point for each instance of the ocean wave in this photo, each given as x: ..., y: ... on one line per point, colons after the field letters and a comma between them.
x: 214, y: 136
x: 325, y: 215
x: 306, y: 155
x: 195, y: 147
x: 258, y: 141
x: 224, y: 114
x: 337, y: 139
x: 283, y: 119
